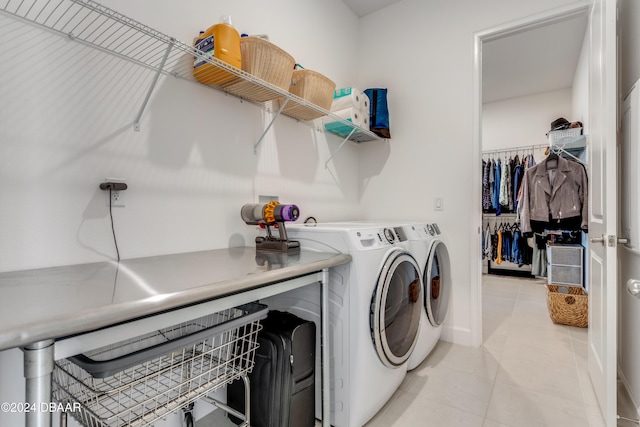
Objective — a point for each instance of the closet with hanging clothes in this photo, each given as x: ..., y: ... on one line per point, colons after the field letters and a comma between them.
x: 533, y: 203
x: 504, y: 247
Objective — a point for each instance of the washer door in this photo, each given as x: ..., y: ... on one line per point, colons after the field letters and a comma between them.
x: 437, y: 284
x: 395, y: 309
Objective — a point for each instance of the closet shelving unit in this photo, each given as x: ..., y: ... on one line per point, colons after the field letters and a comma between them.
x: 566, y: 263
x: 572, y: 148
x: 97, y: 26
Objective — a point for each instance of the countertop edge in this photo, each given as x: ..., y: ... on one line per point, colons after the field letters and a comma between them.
x: 94, y: 319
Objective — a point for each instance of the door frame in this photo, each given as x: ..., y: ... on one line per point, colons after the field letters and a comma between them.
x: 497, y: 32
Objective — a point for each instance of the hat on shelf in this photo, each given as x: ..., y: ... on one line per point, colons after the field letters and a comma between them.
x: 559, y: 124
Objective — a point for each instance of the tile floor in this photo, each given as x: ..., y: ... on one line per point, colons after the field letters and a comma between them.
x: 529, y: 372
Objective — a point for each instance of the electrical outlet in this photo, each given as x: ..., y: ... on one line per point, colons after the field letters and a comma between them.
x: 117, y: 197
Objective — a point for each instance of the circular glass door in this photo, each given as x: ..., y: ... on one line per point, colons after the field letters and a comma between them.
x: 395, y: 309
x: 437, y: 286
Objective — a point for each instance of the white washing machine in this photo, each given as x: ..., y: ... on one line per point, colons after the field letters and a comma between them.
x: 432, y: 256
x: 374, y: 314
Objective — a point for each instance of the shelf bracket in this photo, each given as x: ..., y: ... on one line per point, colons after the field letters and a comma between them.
x: 136, y: 122
x: 326, y: 164
x: 255, y: 146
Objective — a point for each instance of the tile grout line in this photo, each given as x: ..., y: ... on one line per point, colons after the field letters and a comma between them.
x: 493, y: 384
x: 580, y: 379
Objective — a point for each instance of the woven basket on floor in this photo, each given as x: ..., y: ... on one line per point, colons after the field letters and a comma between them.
x: 568, y: 305
x: 312, y: 87
x: 265, y: 61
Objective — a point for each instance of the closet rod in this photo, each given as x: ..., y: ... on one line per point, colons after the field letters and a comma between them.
x: 520, y: 148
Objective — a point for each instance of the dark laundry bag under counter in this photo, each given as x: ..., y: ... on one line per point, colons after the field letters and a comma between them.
x: 282, y: 383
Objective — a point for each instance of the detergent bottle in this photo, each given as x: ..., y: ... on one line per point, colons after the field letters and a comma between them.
x: 221, y: 41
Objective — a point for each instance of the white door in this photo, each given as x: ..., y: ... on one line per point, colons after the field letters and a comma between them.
x: 602, y: 251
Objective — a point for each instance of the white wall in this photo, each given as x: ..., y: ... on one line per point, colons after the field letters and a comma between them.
x: 523, y: 121
x: 580, y: 88
x: 423, y: 51
x: 630, y: 34
x: 629, y: 307
x: 66, y: 123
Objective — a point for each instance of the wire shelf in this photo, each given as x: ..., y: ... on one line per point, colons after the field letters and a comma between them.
x: 119, y: 385
x: 90, y: 23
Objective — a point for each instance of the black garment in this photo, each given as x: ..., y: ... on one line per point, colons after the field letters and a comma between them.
x: 494, y: 245
x: 541, y: 241
x: 569, y: 224
x: 527, y: 251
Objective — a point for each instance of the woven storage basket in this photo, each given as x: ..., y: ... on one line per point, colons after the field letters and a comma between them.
x: 312, y: 87
x: 265, y: 61
x: 558, y: 136
x: 568, y: 305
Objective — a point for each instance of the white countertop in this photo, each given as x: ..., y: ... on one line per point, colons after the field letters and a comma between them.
x: 55, y: 302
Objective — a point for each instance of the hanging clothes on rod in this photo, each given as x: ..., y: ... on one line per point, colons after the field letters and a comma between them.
x: 502, y: 173
x: 503, y: 241
x: 496, y: 187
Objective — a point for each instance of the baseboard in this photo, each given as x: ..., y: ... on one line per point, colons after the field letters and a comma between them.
x: 456, y: 335
x: 622, y: 380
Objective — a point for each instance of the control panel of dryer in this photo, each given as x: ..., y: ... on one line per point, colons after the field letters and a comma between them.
x: 378, y: 237
x: 428, y: 230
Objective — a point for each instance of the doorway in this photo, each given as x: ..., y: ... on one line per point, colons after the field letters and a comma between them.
x: 530, y: 79
x: 602, y: 253
x: 516, y: 103
x: 517, y: 304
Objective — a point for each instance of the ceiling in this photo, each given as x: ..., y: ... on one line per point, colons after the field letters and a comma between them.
x: 364, y: 7
x: 537, y: 60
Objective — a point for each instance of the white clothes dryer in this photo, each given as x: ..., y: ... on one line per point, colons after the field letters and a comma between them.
x: 374, y: 315
x: 433, y: 258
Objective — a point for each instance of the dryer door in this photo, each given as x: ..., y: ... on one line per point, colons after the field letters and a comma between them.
x: 395, y: 309
x: 437, y: 283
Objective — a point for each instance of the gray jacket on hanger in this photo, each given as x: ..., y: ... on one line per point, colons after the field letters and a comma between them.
x: 554, y: 194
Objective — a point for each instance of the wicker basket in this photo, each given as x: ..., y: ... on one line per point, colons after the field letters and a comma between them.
x: 312, y: 87
x: 568, y: 305
x: 265, y: 61
x: 558, y: 136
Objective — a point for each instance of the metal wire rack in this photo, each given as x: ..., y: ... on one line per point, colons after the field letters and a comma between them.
x: 138, y: 381
x: 90, y: 23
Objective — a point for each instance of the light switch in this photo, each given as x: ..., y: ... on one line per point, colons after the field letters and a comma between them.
x: 438, y: 204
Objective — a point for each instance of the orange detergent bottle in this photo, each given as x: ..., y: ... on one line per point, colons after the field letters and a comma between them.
x: 221, y: 41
